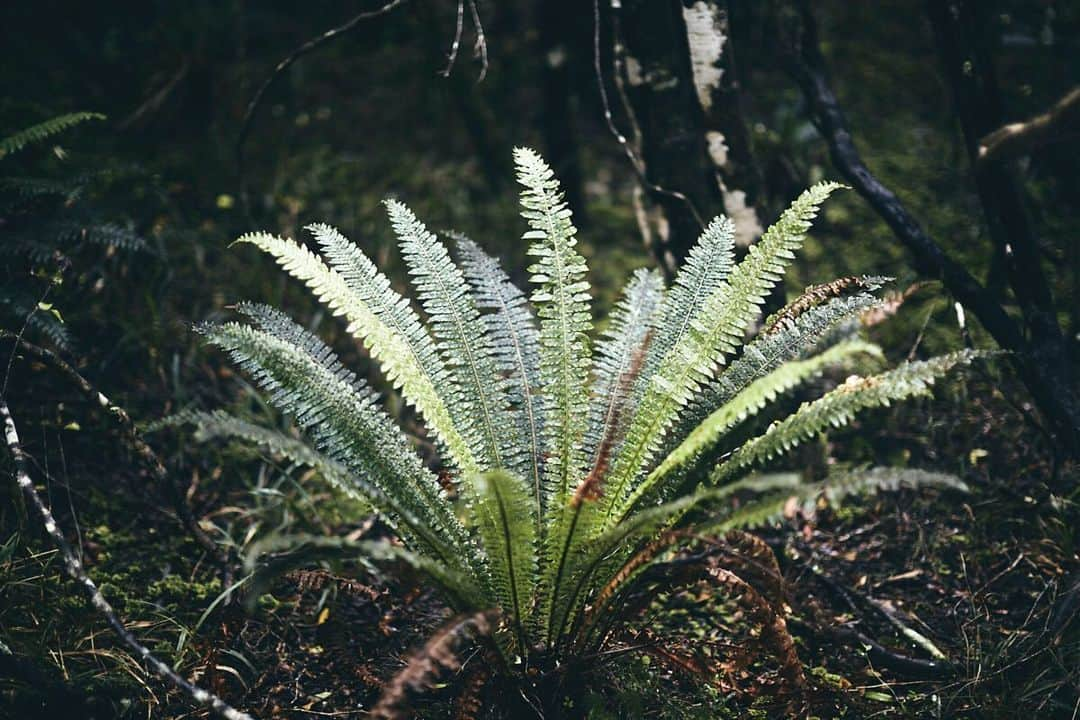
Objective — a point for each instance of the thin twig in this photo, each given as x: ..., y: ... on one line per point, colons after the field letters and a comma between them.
x: 144, y: 451
x: 18, y: 337
x: 480, y: 49
x: 75, y: 569
x: 635, y: 162
x: 288, y: 60
x: 451, y: 57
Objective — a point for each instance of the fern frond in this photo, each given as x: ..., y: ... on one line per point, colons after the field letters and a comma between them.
x: 44, y: 130
x: 296, y: 369
x: 516, y: 343
x: 838, y: 407
x: 784, y: 340
x: 618, y: 359
x: 769, y: 509
x: 23, y: 305
x: 509, y: 538
x: 593, y: 563
x: 23, y: 190
x: 716, y: 330
x: 562, y: 302
x: 707, y: 266
x: 291, y: 551
x: 480, y: 403
x: 401, y: 351
x: 220, y: 425
x: 390, y: 445
x: 701, y: 443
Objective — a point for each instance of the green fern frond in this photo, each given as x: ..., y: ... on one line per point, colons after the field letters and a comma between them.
x: 562, y: 302
x: 40, y: 241
x: 505, y: 522
x: 716, y: 330
x: 44, y: 130
x: 516, y: 344
x: 839, y: 406
x: 339, y: 413
x: 769, y: 509
x: 618, y: 359
x: 373, y: 287
x: 784, y: 341
x: 400, y: 351
x: 22, y: 304
x: 707, y: 266
x: 701, y: 443
x: 220, y: 425
x: 480, y: 403
x: 19, y: 192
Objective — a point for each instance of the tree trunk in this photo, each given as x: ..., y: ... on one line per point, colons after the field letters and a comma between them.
x: 663, y: 97
x: 561, y: 45
x: 966, y: 47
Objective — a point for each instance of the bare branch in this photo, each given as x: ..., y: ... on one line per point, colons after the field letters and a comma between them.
x: 144, y: 451
x: 75, y: 569
x: 451, y: 57
x: 1060, y: 122
x: 480, y: 49
x: 288, y: 60
x: 1053, y: 396
x: 807, y: 65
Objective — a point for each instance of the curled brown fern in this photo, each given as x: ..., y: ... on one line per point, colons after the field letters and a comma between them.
x: 440, y: 656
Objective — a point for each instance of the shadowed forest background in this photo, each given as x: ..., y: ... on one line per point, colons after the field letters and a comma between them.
x: 116, y: 236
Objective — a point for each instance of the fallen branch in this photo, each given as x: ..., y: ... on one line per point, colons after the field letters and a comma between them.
x: 144, y: 451
x: 938, y: 667
x: 74, y: 568
x: 1060, y: 122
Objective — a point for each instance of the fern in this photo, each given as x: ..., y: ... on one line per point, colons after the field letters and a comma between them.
x: 306, y: 381
x: 515, y: 343
x: 562, y: 300
x: 508, y: 533
x: 579, y: 470
x: 43, y: 131
x: 50, y: 223
x: 403, y: 350
x: 838, y: 407
x: 481, y: 403
x: 620, y: 356
x: 716, y: 328
x: 755, y: 397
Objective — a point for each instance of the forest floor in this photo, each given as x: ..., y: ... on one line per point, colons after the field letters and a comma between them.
x: 877, y: 587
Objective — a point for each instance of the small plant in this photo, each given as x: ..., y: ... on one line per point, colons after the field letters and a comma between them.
x: 50, y: 220
x: 590, y: 509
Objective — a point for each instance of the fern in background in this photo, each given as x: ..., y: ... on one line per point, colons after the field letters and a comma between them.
x: 577, y: 466
x: 49, y: 223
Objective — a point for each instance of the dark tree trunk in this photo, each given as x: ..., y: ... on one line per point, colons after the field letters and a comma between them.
x: 966, y: 46
x: 731, y: 148
x: 661, y: 90
x: 1042, y: 364
x: 561, y: 45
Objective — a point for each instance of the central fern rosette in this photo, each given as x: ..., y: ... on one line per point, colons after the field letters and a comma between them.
x: 576, y: 462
